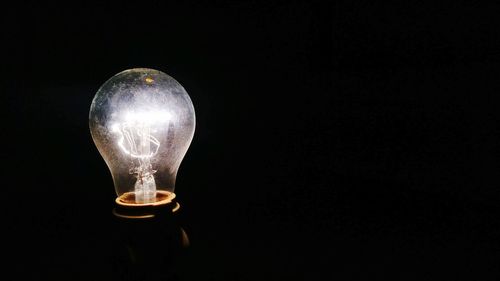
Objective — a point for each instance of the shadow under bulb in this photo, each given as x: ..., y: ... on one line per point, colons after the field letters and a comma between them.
x: 142, y: 122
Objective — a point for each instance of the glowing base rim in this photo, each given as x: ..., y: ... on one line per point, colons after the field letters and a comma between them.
x: 163, y: 197
x: 128, y: 213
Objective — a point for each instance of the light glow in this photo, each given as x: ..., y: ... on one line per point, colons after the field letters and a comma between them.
x: 142, y: 121
x: 135, y: 138
x: 148, y: 117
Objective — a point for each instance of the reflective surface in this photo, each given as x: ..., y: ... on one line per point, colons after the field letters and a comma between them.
x: 142, y: 122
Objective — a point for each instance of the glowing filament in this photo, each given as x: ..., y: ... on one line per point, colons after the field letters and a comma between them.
x: 135, y: 139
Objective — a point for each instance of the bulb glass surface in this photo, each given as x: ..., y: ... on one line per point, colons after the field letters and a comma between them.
x: 142, y: 122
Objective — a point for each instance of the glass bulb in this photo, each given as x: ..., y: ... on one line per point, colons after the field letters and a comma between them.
x: 142, y: 122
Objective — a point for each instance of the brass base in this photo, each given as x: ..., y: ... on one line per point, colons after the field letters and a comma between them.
x: 162, y: 197
x: 127, y: 208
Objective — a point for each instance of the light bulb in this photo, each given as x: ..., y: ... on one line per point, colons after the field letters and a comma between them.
x: 142, y: 122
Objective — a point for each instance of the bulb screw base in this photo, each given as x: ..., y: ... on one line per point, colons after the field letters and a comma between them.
x: 128, y: 199
x: 127, y: 208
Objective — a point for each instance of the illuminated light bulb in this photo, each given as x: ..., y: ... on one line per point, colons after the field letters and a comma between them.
x: 142, y: 122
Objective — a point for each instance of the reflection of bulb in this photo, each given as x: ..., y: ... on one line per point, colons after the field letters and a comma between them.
x: 142, y: 122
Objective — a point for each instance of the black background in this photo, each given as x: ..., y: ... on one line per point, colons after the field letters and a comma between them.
x: 333, y: 141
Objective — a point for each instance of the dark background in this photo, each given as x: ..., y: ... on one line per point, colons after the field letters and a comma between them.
x: 333, y: 141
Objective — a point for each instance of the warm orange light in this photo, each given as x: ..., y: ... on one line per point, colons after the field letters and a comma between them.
x: 162, y: 197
